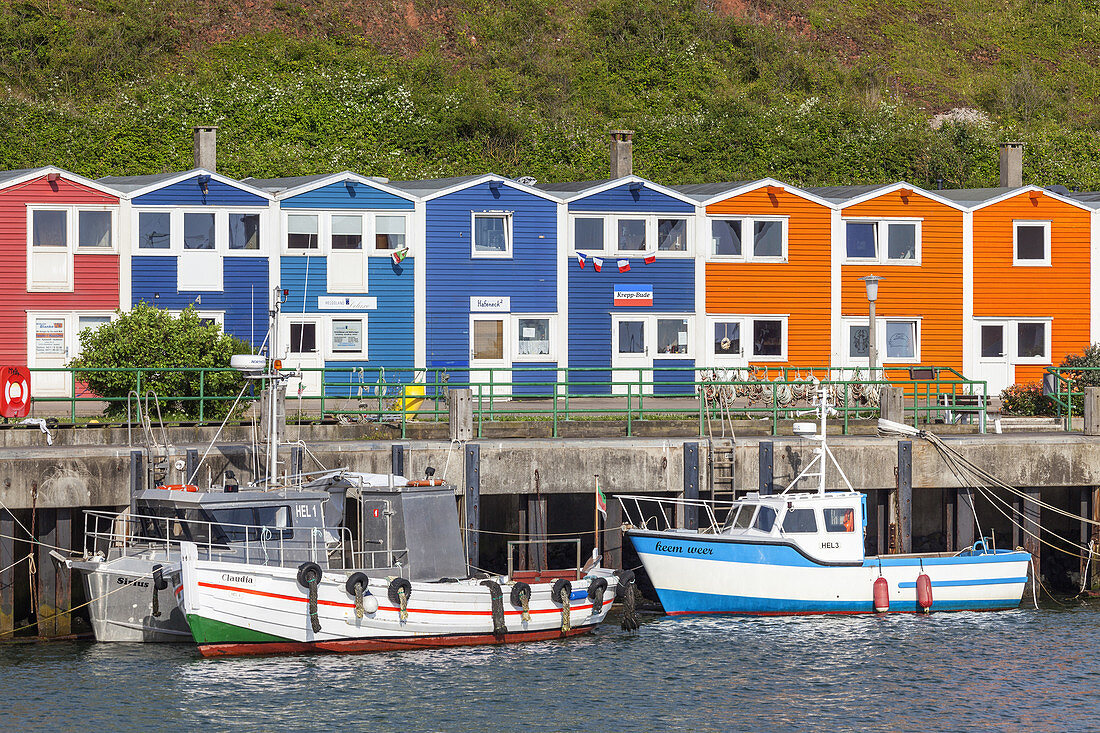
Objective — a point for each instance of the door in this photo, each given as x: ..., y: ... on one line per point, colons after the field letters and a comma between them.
x: 631, y: 354
x: 199, y: 266
x: 490, y: 356
x: 49, y: 348
x: 300, y: 345
x: 994, y: 360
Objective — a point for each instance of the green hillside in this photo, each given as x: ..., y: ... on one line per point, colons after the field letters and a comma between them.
x: 716, y: 90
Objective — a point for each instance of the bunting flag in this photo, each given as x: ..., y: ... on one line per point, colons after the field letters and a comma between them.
x: 399, y: 254
x: 597, y: 263
x: 650, y: 257
x: 580, y: 259
x: 624, y: 265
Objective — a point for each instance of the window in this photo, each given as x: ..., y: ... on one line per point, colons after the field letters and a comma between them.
x: 897, y: 339
x: 764, y: 239
x: 725, y: 236
x: 744, y: 516
x: 389, y: 232
x: 799, y: 521
x: 94, y: 229
x: 588, y: 233
x: 303, y: 338
x: 488, y: 341
x: 198, y: 231
x: 767, y: 239
x: 767, y: 338
x: 840, y: 520
x: 672, y: 235
x: 244, y: 231
x: 492, y: 235
x: 901, y: 340
x: 1031, y: 340
x: 154, y: 230
x: 993, y: 341
x: 1031, y: 243
x: 859, y: 342
x: 672, y: 336
x: 50, y: 228
x: 347, y: 335
x: 631, y: 337
x: 883, y: 241
x: 727, y: 338
x: 347, y: 232
x: 631, y: 235
x: 534, y: 337
x: 302, y: 232
x: 765, y: 519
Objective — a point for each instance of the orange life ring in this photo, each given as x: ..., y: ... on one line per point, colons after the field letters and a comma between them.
x: 179, y: 487
x: 426, y: 482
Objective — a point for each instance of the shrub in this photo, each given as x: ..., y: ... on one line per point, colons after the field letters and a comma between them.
x: 1026, y: 399
x: 151, y: 338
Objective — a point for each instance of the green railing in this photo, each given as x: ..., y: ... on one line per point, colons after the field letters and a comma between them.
x: 703, y: 396
x: 1064, y: 388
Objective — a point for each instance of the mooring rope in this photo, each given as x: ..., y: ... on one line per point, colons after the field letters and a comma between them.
x: 564, y: 593
x: 496, y: 596
x: 404, y: 603
x: 314, y: 622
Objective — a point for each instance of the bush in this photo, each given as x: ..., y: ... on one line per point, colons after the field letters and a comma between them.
x: 147, y: 337
x: 1026, y: 399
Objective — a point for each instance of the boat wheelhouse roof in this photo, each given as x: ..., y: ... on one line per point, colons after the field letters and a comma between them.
x: 200, y: 498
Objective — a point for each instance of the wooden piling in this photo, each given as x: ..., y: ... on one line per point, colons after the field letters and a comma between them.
x: 892, y: 404
x: 950, y: 504
x: 613, y: 535
x: 905, y: 496
x: 1092, y: 411
x: 397, y: 459
x: 536, y: 530
x: 63, y: 575
x: 460, y: 411
x: 691, y: 485
x: 767, y: 467
x: 1031, y: 526
x: 7, y: 573
x: 882, y: 523
x: 964, y: 518
x: 46, y: 530
x: 1094, y: 581
x: 472, y: 501
x: 1085, y: 512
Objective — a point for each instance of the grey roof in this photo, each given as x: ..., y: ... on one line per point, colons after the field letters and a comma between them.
x: 704, y: 191
x: 127, y: 184
x: 1088, y: 198
x: 275, y: 185
x: 428, y: 186
x: 970, y: 196
x: 6, y: 176
x: 565, y: 188
x: 840, y: 194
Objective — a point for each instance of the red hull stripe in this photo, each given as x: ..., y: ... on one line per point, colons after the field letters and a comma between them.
x: 350, y: 646
x: 340, y: 604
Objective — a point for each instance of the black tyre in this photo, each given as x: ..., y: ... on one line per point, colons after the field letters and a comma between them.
x: 309, y: 572
x: 560, y: 584
x: 354, y: 580
x: 397, y: 584
x: 520, y: 591
x: 596, y: 587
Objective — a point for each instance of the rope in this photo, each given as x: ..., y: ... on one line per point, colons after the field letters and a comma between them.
x: 496, y: 595
x: 15, y: 631
x: 404, y: 612
x: 565, y: 610
x: 313, y: 620
x: 32, y: 567
x: 359, y: 600
x: 525, y: 606
x: 25, y: 557
x: 1085, y: 573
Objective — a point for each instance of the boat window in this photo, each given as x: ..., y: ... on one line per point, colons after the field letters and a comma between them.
x: 840, y: 520
x: 743, y: 520
x: 799, y: 520
x: 765, y: 519
x: 239, y: 524
x: 234, y: 522
x: 276, y: 519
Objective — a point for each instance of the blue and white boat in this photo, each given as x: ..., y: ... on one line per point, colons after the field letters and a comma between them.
x: 802, y: 552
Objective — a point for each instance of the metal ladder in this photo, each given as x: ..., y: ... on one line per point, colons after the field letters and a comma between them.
x: 723, y: 484
x: 158, y: 453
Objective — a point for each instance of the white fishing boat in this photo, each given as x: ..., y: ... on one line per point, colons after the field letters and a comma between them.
x: 412, y: 589
x: 802, y: 552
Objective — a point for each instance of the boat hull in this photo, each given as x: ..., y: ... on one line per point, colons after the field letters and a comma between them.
x: 702, y: 574
x: 122, y: 605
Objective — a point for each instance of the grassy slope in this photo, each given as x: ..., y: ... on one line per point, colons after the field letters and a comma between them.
x: 717, y: 90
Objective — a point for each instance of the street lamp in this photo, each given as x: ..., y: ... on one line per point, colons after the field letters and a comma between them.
x: 871, y: 281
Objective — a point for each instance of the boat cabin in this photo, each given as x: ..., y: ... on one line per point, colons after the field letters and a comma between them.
x: 825, y: 527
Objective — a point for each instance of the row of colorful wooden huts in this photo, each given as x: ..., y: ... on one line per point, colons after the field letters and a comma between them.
x: 487, y: 273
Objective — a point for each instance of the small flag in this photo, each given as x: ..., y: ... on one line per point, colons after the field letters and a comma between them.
x: 601, y: 500
x: 597, y: 264
x: 624, y: 265
x: 399, y: 254
x: 650, y: 257
x: 580, y: 259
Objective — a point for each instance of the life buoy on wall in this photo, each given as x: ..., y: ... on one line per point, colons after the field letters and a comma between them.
x: 179, y: 487
x: 15, y: 391
x: 426, y: 482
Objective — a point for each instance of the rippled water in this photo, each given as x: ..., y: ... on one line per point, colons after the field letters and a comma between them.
x: 1022, y: 670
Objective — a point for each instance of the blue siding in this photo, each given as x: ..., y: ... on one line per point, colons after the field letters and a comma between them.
x: 642, y: 201
x: 529, y: 278
x: 679, y: 382
x: 533, y: 383
x: 244, y: 297
x: 340, y: 196
x: 369, y: 385
x: 591, y: 303
x: 189, y: 193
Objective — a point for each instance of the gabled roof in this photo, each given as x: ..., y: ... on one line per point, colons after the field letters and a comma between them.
x: 284, y: 188
x: 844, y: 196
x: 1088, y: 198
x: 841, y: 194
x: 711, y: 193
x: 136, y: 186
x: 431, y: 188
x: 706, y: 191
x: 565, y: 189
x: 978, y: 198
x: 574, y: 190
x: 21, y: 175
x: 278, y: 185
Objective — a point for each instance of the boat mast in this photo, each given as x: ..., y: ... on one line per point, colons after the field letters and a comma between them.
x: 273, y: 389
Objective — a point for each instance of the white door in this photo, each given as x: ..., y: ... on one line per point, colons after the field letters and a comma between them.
x: 725, y: 345
x: 301, y: 348
x: 994, y: 360
x: 199, y: 266
x: 347, y: 263
x: 48, y: 347
x: 490, y: 356
x: 631, y: 354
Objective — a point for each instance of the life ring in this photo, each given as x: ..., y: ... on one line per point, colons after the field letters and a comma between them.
x: 519, y: 590
x: 309, y: 572
x: 356, y: 579
x: 596, y: 587
x: 426, y: 482
x: 395, y: 585
x: 559, y: 585
x: 179, y: 487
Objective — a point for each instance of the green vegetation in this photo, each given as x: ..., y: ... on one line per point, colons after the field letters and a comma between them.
x: 715, y: 89
x: 149, y: 338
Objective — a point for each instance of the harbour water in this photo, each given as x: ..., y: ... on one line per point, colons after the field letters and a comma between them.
x: 1023, y: 670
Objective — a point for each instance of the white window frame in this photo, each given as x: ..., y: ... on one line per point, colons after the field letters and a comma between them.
x: 880, y: 340
x: 331, y: 354
x: 1045, y: 261
x: 71, y: 248
x: 553, y: 329
x: 611, y: 234
x: 221, y: 230
x: 748, y: 353
x: 508, y: 217
x: 655, y: 318
x: 749, y: 329
x: 506, y: 351
x: 217, y: 317
x: 726, y: 359
x: 882, y: 245
x: 72, y: 335
x: 324, y: 230
x: 1014, y: 326
x: 748, y: 238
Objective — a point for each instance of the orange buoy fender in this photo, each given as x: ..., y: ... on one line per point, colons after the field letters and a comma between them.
x: 882, y: 595
x: 924, y: 593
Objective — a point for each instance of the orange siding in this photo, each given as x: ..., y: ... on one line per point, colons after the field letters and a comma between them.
x: 799, y: 287
x: 1060, y: 292
x: 932, y: 290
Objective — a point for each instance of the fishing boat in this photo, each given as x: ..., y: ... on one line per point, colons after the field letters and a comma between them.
x: 802, y: 552
x: 402, y: 583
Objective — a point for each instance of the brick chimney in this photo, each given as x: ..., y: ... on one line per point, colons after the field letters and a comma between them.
x: 1012, y: 165
x: 206, y: 148
x: 622, y: 153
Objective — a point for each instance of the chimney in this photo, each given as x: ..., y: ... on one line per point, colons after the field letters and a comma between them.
x: 622, y: 153
x: 1012, y: 165
x: 206, y: 148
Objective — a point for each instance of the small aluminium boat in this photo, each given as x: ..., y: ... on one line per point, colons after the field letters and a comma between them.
x: 802, y: 552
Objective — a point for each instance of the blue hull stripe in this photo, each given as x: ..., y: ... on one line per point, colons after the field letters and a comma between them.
x: 978, y: 581
x: 686, y: 602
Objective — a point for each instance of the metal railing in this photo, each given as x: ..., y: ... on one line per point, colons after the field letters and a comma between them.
x: 554, y: 395
x: 663, y: 513
x: 1064, y: 388
x: 512, y: 544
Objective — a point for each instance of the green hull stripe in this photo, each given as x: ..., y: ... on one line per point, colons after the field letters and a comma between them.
x: 209, y: 631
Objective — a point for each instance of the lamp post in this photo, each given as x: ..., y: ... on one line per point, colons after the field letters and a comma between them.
x: 871, y: 281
